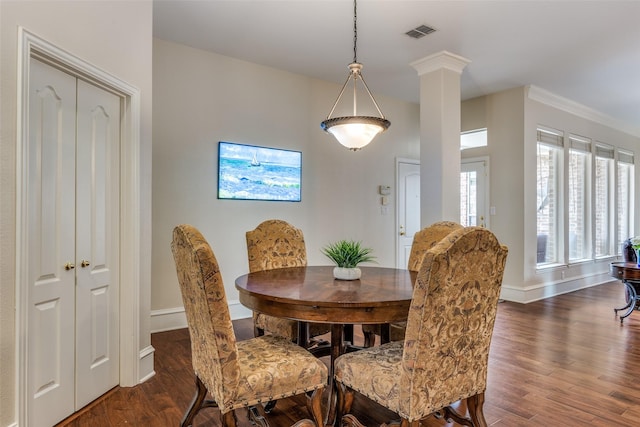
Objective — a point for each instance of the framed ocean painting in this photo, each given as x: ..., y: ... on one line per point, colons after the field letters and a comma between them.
x: 250, y: 172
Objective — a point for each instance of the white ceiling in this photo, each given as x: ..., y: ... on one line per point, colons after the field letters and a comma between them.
x: 586, y: 51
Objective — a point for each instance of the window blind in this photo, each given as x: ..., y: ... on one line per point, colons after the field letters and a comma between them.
x: 625, y: 157
x: 580, y: 144
x: 549, y: 138
x: 604, y: 151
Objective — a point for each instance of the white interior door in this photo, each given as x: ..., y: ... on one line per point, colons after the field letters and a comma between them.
x: 408, y: 181
x: 51, y: 249
x: 473, y: 194
x: 97, y: 308
x: 73, y: 193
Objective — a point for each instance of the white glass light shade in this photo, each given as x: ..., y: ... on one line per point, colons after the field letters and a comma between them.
x: 355, y: 132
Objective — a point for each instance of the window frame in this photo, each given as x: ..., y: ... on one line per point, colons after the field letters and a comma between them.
x: 580, y: 146
x: 606, y: 153
x: 552, y: 140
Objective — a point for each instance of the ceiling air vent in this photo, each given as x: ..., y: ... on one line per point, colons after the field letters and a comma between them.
x: 420, y: 31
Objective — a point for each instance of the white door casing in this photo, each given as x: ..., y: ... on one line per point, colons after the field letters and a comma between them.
x: 408, y: 215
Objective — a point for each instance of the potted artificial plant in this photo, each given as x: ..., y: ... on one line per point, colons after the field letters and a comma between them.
x: 347, y: 254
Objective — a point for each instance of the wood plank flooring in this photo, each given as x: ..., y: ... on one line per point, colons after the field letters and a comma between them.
x: 563, y: 361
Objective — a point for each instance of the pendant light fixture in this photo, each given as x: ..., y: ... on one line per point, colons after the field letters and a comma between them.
x: 354, y: 132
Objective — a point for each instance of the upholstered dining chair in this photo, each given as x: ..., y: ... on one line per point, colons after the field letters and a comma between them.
x: 277, y: 244
x: 444, y: 356
x: 238, y: 374
x: 423, y: 240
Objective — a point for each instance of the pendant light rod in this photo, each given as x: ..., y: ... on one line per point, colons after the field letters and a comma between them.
x: 355, y: 32
x: 355, y: 74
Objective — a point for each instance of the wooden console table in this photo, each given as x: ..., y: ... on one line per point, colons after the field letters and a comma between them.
x: 629, y: 274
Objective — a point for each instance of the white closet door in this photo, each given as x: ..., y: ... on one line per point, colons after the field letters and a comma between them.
x: 73, y: 225
x: 97, y: 189
x: 51, y: 246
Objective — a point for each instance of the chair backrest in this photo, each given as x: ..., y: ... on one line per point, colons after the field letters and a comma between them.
x: 275, y: 244
x: 427, y: 238
x: 450, y: 323
x: 213, y: 342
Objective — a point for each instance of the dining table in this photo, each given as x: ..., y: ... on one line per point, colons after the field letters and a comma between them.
x: 311, y: 294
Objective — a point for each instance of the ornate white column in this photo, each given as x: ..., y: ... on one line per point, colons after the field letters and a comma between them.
x: 440, y: 136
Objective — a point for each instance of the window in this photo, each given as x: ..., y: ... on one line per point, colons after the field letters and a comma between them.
x: 473, y: 138
x: 625, y: 179
x: 585, y: 198
x: 604, y: 202
x: 468, y: 198
x: 579, y: 192
x: 548, y: 180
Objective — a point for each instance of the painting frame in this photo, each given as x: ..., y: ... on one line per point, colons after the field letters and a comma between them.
x: 255, y: 172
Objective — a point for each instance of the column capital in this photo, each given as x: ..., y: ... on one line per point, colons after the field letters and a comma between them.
x: 440, y: 60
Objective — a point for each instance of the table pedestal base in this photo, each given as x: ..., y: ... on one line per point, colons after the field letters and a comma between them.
x: 631, y: 295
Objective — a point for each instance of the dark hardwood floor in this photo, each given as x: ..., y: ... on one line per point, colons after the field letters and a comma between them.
x: 563, y: 361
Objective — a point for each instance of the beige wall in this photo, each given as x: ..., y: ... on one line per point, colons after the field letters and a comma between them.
x: 201, y: 98
x: 113, y: 36
x: 511, y: 119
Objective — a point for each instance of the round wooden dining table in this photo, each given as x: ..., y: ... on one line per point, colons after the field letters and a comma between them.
x: 311, y: 294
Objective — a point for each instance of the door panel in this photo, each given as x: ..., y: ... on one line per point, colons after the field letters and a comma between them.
x: 97, y: 231
x: 73, y: 227
x: 51, y: 225
x: 408, y: 209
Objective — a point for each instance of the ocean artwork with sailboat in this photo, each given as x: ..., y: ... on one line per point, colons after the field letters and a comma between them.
x: 250, y: 172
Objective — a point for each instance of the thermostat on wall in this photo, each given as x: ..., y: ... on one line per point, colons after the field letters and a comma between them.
x: 384, y: 190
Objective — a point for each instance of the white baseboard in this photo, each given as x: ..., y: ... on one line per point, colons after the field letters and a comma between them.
x: 169, y: 319
x: 146, y: 363
x: 547, y: 290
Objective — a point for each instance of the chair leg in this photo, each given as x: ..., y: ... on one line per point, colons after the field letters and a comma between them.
x: 476, y: 412
x: 256, y: 417
x: 196, y: 404
x: 344, y: 401
x: 314, y: 405
x: 369, y: 339
x: 229, y: 419
x: 268, y: 407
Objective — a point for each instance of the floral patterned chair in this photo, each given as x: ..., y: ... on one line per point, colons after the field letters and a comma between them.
x: 239, y: 374
x: 423, y: 240
x: 277, y: 244
x: 445, y: 353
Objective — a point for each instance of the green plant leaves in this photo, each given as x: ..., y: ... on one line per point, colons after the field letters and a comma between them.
x: 348, y: 253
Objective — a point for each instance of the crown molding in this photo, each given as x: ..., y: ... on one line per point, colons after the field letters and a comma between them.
x: 437, y: 61
x: 543, y: 96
